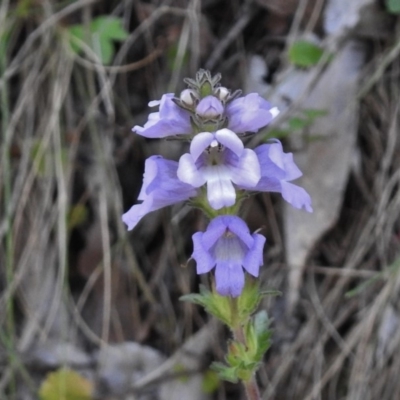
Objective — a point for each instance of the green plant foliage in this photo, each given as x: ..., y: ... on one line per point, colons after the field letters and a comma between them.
x: 99, y: 37
x: 242, y: 361
x: 393, y: 6
x: 301, y: 121
x: 305, y: 54
x: 214, y: 304
x: 65, y: 384
x: 210, y: 381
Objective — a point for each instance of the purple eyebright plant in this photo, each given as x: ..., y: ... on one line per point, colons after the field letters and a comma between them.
x: 216, y: 174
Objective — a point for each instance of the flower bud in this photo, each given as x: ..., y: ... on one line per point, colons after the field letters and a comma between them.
x: 210, y: 108
x: 188, y: 97
x: 222, y: 93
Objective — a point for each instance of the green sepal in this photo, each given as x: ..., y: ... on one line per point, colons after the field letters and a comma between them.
x: 206, y: 89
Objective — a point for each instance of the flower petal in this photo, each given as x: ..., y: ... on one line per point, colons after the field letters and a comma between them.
x: 204, y: 262
x: 237, y: 226
x: 161, y: 188
x: 220, y: 191
x: 246, y: 170
x: 188, y: 171
x: 230, y: 140
x: 229, y: 278
x: 132, y: 217
x: 249, y: 113
x: 254, y: 258
x: 199, y: 143
x: 296, y: 196
x: 170, y: 120
x: 216, y: 228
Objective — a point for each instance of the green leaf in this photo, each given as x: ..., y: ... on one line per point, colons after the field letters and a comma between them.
x: 263, y: 333
x: 103, y: 31
x: 304, y: 54
x: 225, y: 373
x: 214, y: 304
x: 276, y: 134
x: 77, y: 216
x: 109, y: 27
x: 297, y: 123
x: 313, y: 113
x: 210, y: 382
x: 65, y: 384
x: 393, y: 6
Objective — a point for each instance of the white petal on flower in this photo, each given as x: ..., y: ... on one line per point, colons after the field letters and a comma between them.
x: 154, y: 103
x: 220, y: 191
x: 247, y: 172
x: 230, y: 140
x: 188, y: 172
x: 274, y: 111
x: 199, y: 143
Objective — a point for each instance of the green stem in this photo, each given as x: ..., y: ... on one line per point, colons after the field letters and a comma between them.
x: 250, y: 386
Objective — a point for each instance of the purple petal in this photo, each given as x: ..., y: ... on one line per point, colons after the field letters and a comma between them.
x: 170, y: 120
x: 283, y: 160
x: 269, y: 168
x: 204, y: 262
x: 254, y: 258
x: 296, y: 196
x: 199, y: 143
x: 132, y: 217
x: 230, y: 140
x: 216, y: 228
x: 249, y: 113
x: 265, y: 184
x: 189, y: 173
x: 246, y: 169
x: 237, y: 226
x: 210, y: 107
x: 229, y: 278
x: 161, y: 188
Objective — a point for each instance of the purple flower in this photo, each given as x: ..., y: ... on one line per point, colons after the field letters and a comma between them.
x: 219, y: 159
x: 228, y: 245
x: 210, y: 107
x: 277, y: 170
x: 161, y: 188
x: 249, y: 113
x: 168, y: 121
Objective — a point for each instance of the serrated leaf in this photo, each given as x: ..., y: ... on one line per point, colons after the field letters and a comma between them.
x: 304, y: 54
x: 65, y: 384
x: 225, y: 373
x: 393, y: 6
x: 214, y: 304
